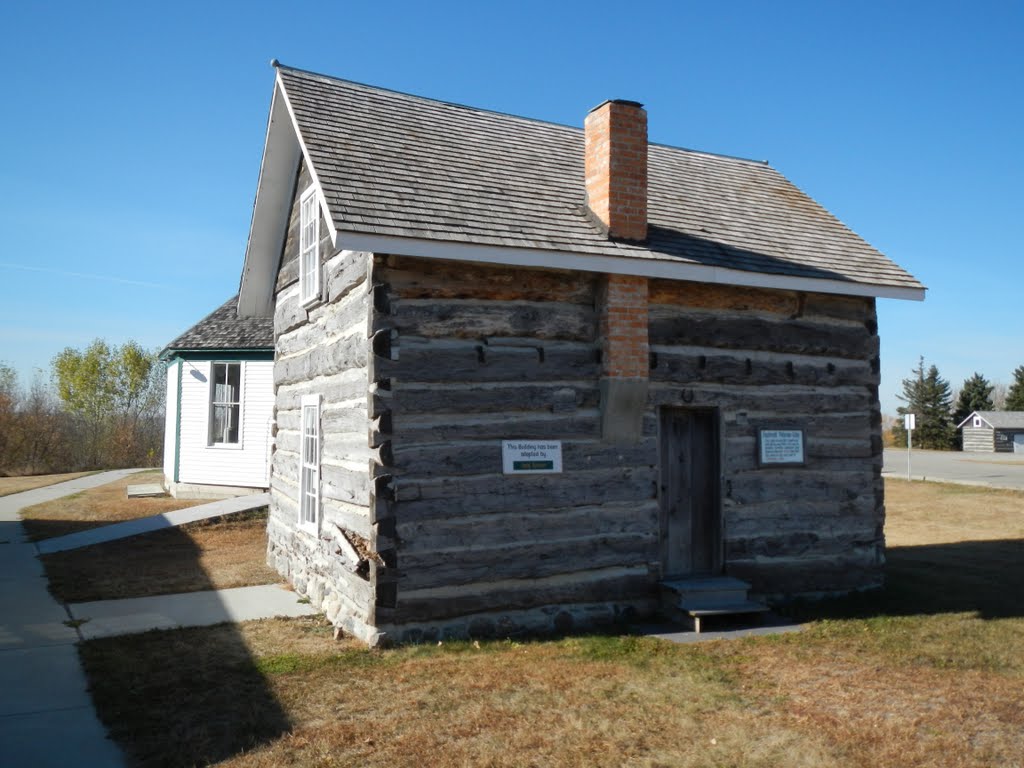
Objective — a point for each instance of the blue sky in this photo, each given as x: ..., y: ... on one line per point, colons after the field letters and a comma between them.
x: 132, y: 135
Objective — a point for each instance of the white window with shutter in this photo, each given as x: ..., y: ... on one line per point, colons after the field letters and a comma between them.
x: 309, y: 466
x: 309, y: 247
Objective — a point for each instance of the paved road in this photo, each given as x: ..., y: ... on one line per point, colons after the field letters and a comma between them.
x: 997, y: 470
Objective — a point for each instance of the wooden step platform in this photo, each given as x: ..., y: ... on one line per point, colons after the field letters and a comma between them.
x: 693, y: 600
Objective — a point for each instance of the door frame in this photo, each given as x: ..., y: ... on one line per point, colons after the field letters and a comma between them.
x: 718, y: 452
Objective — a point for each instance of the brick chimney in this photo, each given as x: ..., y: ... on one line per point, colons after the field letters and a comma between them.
x: 616, y: 168
x: 616, y: 184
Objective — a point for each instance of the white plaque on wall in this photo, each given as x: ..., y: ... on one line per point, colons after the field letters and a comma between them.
x: 780, y: 447
x: 519, y: 457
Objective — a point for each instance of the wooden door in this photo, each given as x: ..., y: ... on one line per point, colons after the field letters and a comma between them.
x: 691, y: 536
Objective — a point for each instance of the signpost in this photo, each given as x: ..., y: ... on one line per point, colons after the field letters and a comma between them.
x: 909, y: 422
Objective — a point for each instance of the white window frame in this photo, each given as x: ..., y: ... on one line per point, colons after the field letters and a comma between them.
x: 210, y: 442
x: 310, y: 442
x: 977, y: 421
x: 309, y: 247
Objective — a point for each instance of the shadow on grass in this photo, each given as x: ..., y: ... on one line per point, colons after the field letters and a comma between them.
x: 169, y: 698
x: 981, y: 577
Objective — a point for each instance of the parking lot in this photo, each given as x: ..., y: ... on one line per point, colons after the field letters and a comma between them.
x: 996, y: 470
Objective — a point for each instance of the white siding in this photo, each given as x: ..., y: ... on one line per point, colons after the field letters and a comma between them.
x: 245, y: 465
x: 171, y: 421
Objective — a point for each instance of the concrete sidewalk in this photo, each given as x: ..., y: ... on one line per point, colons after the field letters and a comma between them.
x: 153, y: 523
x: 46, y: 714
x: 107, y: 618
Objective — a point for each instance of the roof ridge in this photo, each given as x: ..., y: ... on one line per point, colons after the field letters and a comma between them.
x: 416, y: 96
x: 484, y: 110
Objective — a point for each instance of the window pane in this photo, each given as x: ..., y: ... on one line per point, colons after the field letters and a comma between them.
x: 231, y: 432
x: 234, y: 379
x: 220, y: 420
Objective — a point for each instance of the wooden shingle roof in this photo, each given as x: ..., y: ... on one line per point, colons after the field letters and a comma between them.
x: 998, y: 419
x: 224, y: 330
x: 393, y: 164
x: 408, y: 175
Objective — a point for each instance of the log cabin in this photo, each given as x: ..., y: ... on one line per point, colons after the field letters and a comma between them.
x: 530, y: 377
x: 993, y: 432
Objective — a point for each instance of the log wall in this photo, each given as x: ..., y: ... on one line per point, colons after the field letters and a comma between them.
x: 979, y: 439
x: 766, y: 359
x: 440, y: 361
x: 477, y: 354
x: 323, y: 350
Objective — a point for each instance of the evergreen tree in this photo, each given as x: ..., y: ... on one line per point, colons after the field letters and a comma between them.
x: 1015, y: 395
x: 928, y: 396
x: 976, y: 395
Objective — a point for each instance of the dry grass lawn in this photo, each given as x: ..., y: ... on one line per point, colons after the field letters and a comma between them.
x: 98, y: 506
x: 928, y: 672
x: 9, y: 485
x: 218, y: 553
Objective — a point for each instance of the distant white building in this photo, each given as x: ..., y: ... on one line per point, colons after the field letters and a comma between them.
x: 220, y: 406
x: 993, y: 432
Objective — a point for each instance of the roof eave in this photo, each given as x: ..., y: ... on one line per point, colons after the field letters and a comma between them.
x: 623, y: 265
x: 269, y: 224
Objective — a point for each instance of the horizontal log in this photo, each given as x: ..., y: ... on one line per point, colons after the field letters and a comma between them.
x: 351, y: 447
x: 332, y: 419
x: 344, y: 485
x: 322, y: 360
x: 550, y: 361
x: 341, y: 387
x: 471, y: 458
x: 854, y: 426
x: 336, y: 447
x: 411, y: 397
x: 475, y: 319
x: 781, y: 400
x: 747, y: 461
x: 747, y: 521
x: 757, y: 370
x: 853, y: 309
x: 498, y: 528
x: 809, y: 543
x: 410, y: 277
x: 822, y: 574
x: 288, y: 311
x: 603, y: 586
x: 459, y: 496
x: 799, y: 483
x: 409, y: 430
x: 800, y: 336
x: 288, y: 274
x: 345, y: 272
x: 331, y: 322
x: 525, y: 561
x: 680, y: 295
x: 676, y: 296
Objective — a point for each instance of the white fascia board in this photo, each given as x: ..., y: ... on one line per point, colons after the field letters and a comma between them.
x: 971, y: 416
x: 270, y: 211
x: 309, y: 166
x: 621, y: 265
